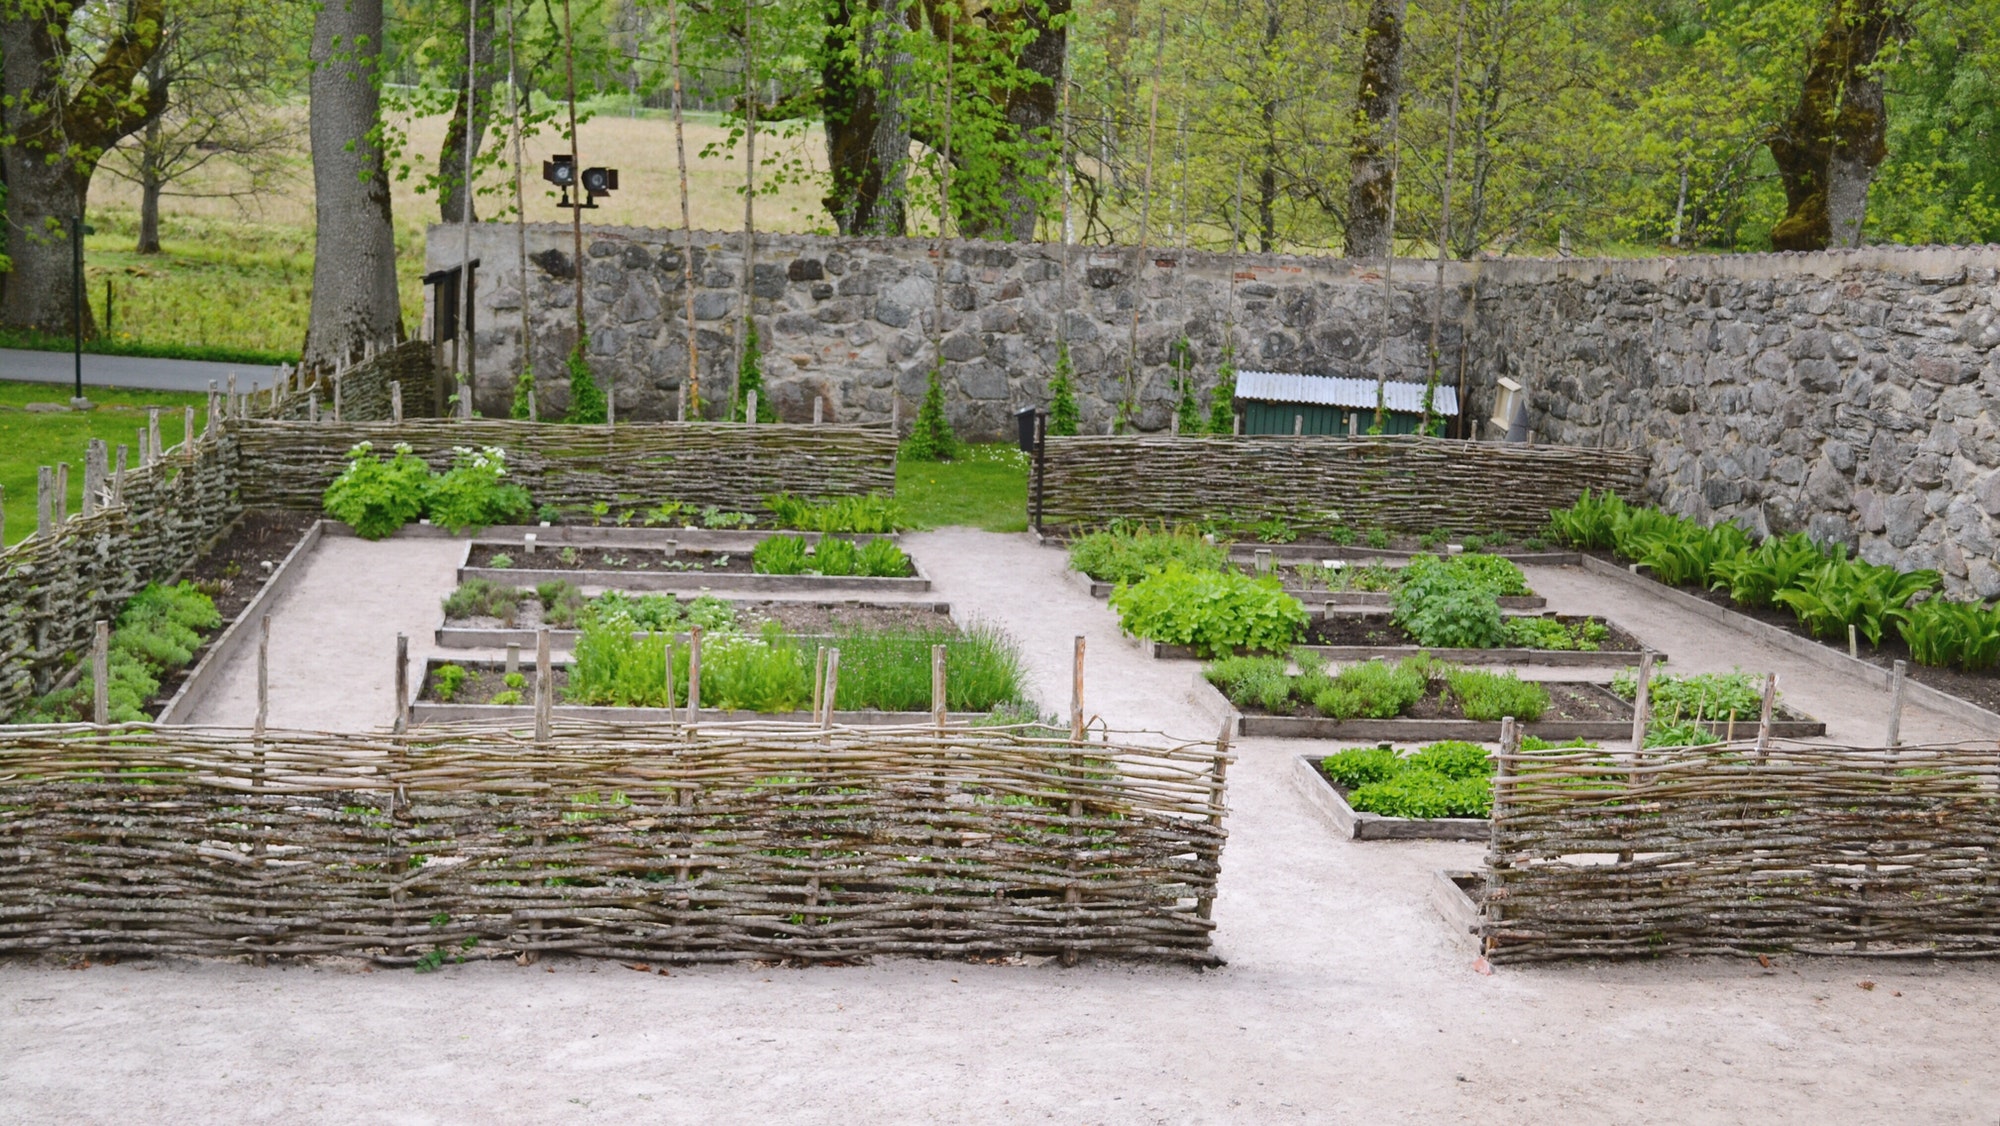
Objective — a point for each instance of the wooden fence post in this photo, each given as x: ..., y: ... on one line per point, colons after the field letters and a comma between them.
x: 513, y: 656
x: 939, y: 710
x: 1640, y: 703
x: 545, y: 686
x: 94, y: 472
x: 819, y: 680
x: 402, y: 682
x: 1218, y: 792
x: 214, y: 407
x: 396, y: 401
x: 3, y: 514
x: 694, y: 674
x: 750, y: 406
x: 263, y: 677
x: 832, y: 687
x: 118, y: 477
x: 153, y: 432
x: 667, y: 659
x: 1764, y: 717
x: 819, y: 407
x: 61, y: 497
x: 1900, y: 671
x: 45, y: 517
x: 337, y: 381
x: 312, y: 405
x: 100, y: 674
x: 1076, y: 693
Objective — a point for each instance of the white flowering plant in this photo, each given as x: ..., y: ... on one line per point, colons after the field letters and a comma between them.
x: 474, y: 493
x: 375, y: 496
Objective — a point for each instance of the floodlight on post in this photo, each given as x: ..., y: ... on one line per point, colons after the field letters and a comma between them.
x: 590, y: 184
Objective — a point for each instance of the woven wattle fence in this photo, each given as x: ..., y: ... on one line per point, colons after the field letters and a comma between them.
x: 629, y: 467
x: 628, y: 841
x: 1708, y: 850
x: 1315, y: 483
x: 54, y: 586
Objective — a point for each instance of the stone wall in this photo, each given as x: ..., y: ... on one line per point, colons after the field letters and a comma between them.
x: 851, y: 321
x: 1852, y: 394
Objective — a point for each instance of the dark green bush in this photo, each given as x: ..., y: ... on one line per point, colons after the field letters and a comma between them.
x: 1940, y: 632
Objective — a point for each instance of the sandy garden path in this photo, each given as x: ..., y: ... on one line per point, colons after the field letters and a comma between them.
x: 1345, y: 998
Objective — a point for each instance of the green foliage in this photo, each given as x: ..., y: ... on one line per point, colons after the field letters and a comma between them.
x: 1591, y: 523
x: 1213, y: 612
x: 1378, y: 538
x: 376, y: 497
x: 586, y: 399
x: 892, y: 671
x: 1940, y: 632
x: 1494, y: 573
x: 1222, y: 400
x: 1753, y: 578
x: 1128, y: 554
x: 1548, y: 633
x: 471, y: 494
x: 780, y: 555
x: 562, y: 603
x: 873, y: 513
x: 1709, y: 695
x: 1361, y: 766
x: 658, y: 612
x: 484, y: 598
x: 1187, y: 411
x: 1448, y: 605
x: 1274, y: 530
x: 1263, y: 682
x: 1453, y: 759
x: 750, y: 377
x: 791, y: 555
x: 1683, y: 553
x: 881, y: 558
x: 1686, y: 733
x: 1064, y: 415
x: 446, y: 681
x: 1490, y: 696
x: 1372, y: 689
x: 524, y: 395
x: 832, y: 556
x: 931, y: 437
x: 1841, y: 592
x: 156, y: 633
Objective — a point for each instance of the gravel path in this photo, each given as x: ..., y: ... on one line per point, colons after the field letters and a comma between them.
x: 1344, y: 998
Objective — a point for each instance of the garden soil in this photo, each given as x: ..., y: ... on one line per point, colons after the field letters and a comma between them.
x: 1345, y: 998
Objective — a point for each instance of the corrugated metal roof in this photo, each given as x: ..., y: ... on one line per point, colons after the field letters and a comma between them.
x: 1342, y: 391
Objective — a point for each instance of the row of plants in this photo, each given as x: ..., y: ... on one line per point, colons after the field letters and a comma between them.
x: 1447, y: 779
x: 793, y: 555
x: 563, y: 606
x: 156, y: 634
x: 1128, y: 551
x: 1215, y: 613
x: 772, y: 671
x: 1826, y: 590
x: 1681, y: 704
x: 1373, y: 689
x: 375, y: 496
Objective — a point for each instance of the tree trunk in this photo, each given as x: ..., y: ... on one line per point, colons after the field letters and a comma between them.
x: 1267, y: 175
x: 1368, y: 232
x: 354, y: 300
x: 1828, y: 148
x: 1031, y: 112
x: 451, y: 154
x: 54, y: 137
x: 867, y: 134
x: 150, y: 185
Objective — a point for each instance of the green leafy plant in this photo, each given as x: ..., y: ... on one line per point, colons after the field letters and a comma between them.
x: 883, y: 559
x: 1494, y: 573
x: 1222, y: 399
x: 1753, y: 578
x: 1425, y: 794
x: 484, y: 598
x: 446, y: 681
x: 586, y: 399
x: 1453, y: 759
x: 1709, y: 695
x: 750, y: 377
x: 1374, y: 689
x: 156, y: 633
x: 524, y: 395
x: 714, y: 517
x: 931, y: 437
x: 1683, y: 553
x: 1490, y: 696
x: 1591, y: 523
x: 1274, y: 530
x: 835, y: 556
x: 1064, y: 416
x: 1940, y: 632
x: 780, y: 555
x: 869, y: 514
x: 473, y: 493
x: 1128, y: 554
x: 1549, y: 633
x: 562, y: 603
x: 1378, y: 538
x: 1687, y: 733
x: 1263, y: 682
x: 1213, y: 612
x: 500, y: 561
x: 1446, y: 606
x: 1842, y: 592
x: 1361, y: 766
x: 376, y: 497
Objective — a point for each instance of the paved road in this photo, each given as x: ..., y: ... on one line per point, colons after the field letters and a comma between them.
x: 127, y: 371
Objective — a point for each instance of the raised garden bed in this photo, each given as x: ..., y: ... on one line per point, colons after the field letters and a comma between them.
x: 655, y: 569
x: 1371, y: 637
x: 485, y: 679
x: 795, y: 616
x: 1459, y: 897
x: 1972, y: 697
x: 1314, y: 594
x: 1358, y: 825
x: 1576, y: 711
x: 247, y: 571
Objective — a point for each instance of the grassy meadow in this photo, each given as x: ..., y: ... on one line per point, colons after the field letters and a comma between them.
x: 30, y: 439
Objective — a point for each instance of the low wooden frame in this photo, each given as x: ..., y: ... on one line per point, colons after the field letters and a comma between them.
x: 657, y: 842
x: 1358, y: 825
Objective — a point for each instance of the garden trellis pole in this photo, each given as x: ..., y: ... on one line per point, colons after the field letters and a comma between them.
x: 744, y: 326
x: 687, y: 216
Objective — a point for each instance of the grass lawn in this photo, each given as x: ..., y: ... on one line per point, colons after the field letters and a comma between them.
x: 987, y: 488
x: 28, y: 440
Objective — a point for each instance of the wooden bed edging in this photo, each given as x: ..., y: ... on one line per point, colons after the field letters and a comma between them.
x: 240, y: 633
x: 1361, y: 826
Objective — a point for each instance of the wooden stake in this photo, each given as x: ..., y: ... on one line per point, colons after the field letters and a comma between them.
x: 100, y: 674
x: 45, y: 515
x: 187, y: 434
x: 1899, y: 672
x: 819, y: 408
x: 1640, y: 703
x: 1076, y: 693
x: 667, y: 658
x: 1764, y: 717
x: 1298, y: 425
x: 513, y: 656
x: 396, y: 401
x: 819, y: 680
x: 263, y: 677
x: 694, y: 674
x: 337, y: 381
x: 1218, y: 788
x: 402, y: 682
x: 1853, y: 644
x: 939, y: 710
x: 61, y: 497
x: 545, y: 685
x: 750, y: 406
x: 118, y: 478
x: 832, y: 688
x: 214, y: 407
x: 153, y: 432
x: 93, y: 475
x: 312, y: 405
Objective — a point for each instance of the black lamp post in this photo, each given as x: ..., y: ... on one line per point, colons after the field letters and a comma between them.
x: 1031, y: 432
x: 76, y: 232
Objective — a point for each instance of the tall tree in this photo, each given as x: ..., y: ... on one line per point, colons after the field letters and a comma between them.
x: 451, y: 153
x: 1369, y: 233
x: 67, y: 95
x: 864, y: 66
x: 1828, y: 148
x: 354, y: 300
